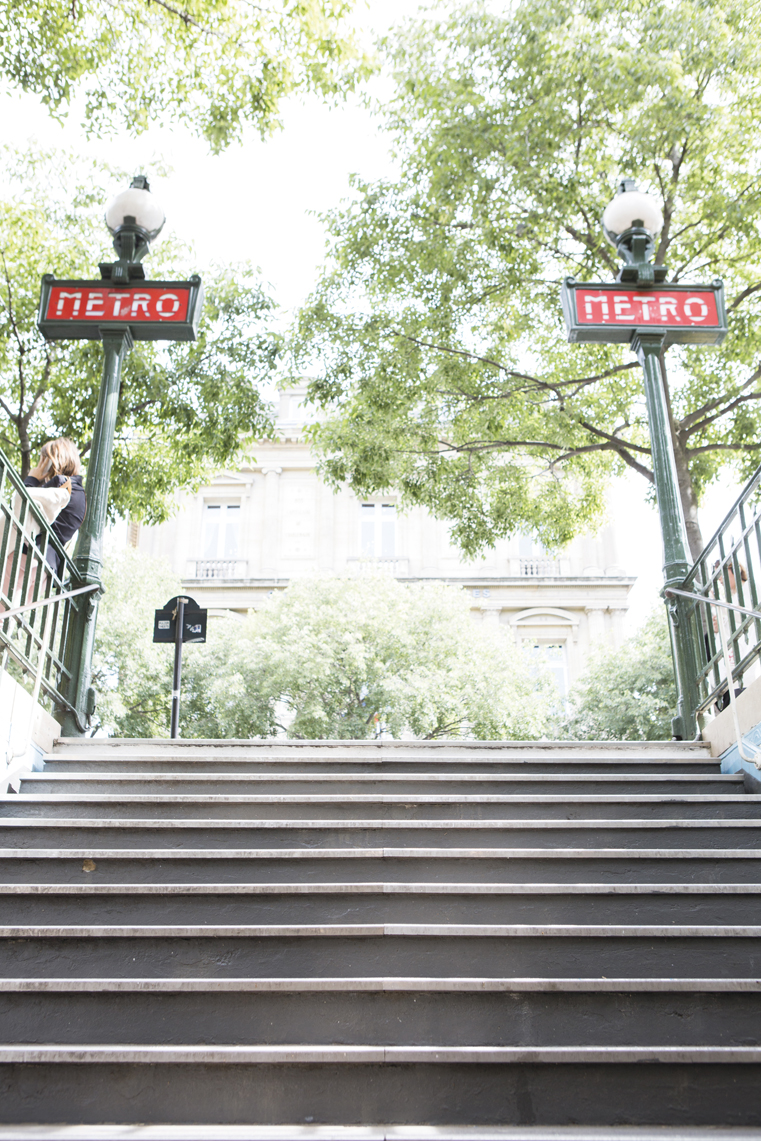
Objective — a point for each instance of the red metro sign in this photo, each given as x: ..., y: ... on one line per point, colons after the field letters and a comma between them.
x: 152, y: 310
x: 85, y: 303
x: 610, y: 313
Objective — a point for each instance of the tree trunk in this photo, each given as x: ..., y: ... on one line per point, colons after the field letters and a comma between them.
x: 26, y: 453
x: 689, y: 499
x: 686, y: 486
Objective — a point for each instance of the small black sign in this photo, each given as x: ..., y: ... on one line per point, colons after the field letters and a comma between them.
x: 193, y: 625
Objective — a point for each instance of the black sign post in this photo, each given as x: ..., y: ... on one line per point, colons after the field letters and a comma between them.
x: 181, y: 620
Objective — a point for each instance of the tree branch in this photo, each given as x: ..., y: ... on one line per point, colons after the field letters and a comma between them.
x: 543, y: 385
x: 705, y: 423
x: 723, y: 448
x: 743, y: 295
x: 616, y: 440
x: 14, y: 417
x: 688, y: 421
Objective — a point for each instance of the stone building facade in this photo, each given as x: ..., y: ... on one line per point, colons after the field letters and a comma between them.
x: 250, y: 531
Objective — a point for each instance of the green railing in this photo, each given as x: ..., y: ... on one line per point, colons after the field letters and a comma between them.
x: 729, y: 572
x: 36, y: 602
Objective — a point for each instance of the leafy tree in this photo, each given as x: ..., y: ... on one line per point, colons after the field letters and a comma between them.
x: 214, y: 65
x: 435, y: 335
x: 183, y: 407
x: 627, y: 694
x: 327, y: 658
x: 131, y: 676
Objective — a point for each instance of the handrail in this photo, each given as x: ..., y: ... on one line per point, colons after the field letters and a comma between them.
x: 37, y: 603
x: 745, y: 494
x: 724, y: 580
x: 755, y: 757
x: 711, y: 601
x: 11, y: 776
x: 5, y: 614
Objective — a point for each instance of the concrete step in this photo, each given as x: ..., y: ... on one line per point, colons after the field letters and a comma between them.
x: 361, y: 785
x: 390, y: 806
x: 343, y: 932
x: 488, y: 951
x: 276, y: 748
x: 413, y: 1012
x: 324, y: 904
x: 375, y: 1084
x: 132, y: 1131
x: 25, y: 832
x: 169, y: 763
x: 298, y: 865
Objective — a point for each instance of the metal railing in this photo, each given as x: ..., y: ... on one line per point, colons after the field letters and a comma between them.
x: 368, y: 564
x: 727, y: 659
x: 725, y: 581
x: 37, y: 604
x: 218, y: 568
x: 538, y: 568
x: 16, y: 758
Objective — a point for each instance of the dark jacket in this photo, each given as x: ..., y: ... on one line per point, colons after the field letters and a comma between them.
x: 70, y: 519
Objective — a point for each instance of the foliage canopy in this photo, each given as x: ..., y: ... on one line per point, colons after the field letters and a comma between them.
x: 214, y: 65
x: 436, y: 337
x: 627, y: 694
x: 131, y: 676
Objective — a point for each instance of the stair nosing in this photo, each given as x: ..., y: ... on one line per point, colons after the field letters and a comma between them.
x: 291, y: 823
x: 369, y: 798
x: 299, y: 1131
x: 376, y: 930
x: 379, y: 853
x: 388, y: 778
x: 379, y: 984
x: 366, y: 887
x: 149, y: 758
x: 393, y: 1055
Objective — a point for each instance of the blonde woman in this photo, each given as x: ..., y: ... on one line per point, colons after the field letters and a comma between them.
x: 59, y: 467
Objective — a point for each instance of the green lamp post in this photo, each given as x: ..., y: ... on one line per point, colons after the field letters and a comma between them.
x: 119, y: 309
x: 135, y: 219
x: 631, y: 222
x: 640, y: 309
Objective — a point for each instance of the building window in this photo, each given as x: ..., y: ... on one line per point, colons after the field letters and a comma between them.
x: 553, y: 656
x: 378, y: 530
x: 534, y: 560
x: 221, y: 530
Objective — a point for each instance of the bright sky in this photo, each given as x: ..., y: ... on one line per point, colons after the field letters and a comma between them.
x: 260, y: 201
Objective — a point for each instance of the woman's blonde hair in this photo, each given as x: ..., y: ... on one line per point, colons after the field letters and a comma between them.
x: 64, y: 456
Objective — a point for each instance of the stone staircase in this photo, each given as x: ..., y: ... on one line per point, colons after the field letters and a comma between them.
x: 377, y: 940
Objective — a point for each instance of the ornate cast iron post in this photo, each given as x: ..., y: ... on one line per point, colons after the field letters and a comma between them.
x: 119, y: 309
x: 641, y: 310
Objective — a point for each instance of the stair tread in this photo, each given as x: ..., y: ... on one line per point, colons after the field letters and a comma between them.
x: 390, y: 778
x: 395, y: 1132
x: 701, y: 758
x: 372, y: 930
x: 203, y: 823
x: 211, y: 1055
x: 389, y: 887
x: 380, y: 983
x: 377, y: 853
x: 370, y: 798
